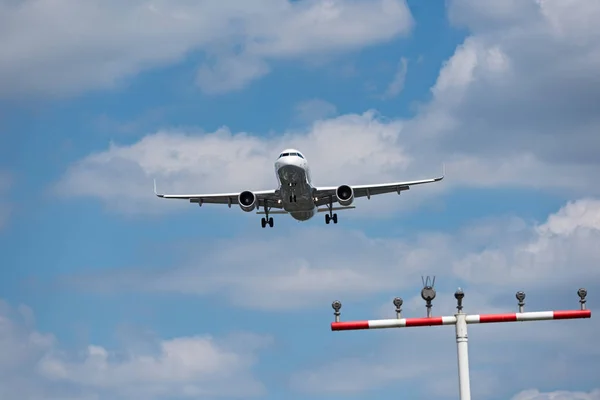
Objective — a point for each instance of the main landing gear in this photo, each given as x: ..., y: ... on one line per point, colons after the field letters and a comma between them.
x: 331, y: 216
x: 266, y: 219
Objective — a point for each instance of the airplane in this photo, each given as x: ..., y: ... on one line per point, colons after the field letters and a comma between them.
x: 296, y: 195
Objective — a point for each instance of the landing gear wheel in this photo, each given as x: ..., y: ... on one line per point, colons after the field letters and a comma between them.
x: 264, y: 222
x: 266, y: 219
x: 331, y: 216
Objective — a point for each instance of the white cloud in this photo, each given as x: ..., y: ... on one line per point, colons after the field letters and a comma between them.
x: 314, y: 109
x: 535, y: 394
x: 523, y: 83
x: 491, y: 259
x: 185, y: 367
x: 223, y: 161
x: 520, y: 88
x: 397, y: 84
x: 375, y: 150
x: 353, y: 264
x: 102, y: 42
x: 565, y: 240
x: 548, y: 260
x: 512, y: 107
x: 226, y: 74
x: 499, y: 254
x: 504, y: 358
x: 33, y: 366
x: 422, y: 361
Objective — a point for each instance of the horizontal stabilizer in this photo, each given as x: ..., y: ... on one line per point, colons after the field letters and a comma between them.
x: 318, y: 210
x: 335, y: 209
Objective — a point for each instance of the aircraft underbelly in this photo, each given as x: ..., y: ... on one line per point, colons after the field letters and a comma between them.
x: 296, y: 192
x: 303, y: 215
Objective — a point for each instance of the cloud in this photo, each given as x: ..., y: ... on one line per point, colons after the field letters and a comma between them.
x: 207, y: 162
x: 34, y: 366
x: 490, y: 259
x: 353, y: 264
x: 397, y: 84
x: 184, y: 367
x: 511, y: 108
x: 422, y: 361
x: 103, y: 43
x: 376, y: 150
x: 226, y: 74
x: 566, y: 239
x: 500, y: 254
x: 314, y: 109
x: 523, y: 82
x: 558, y: 395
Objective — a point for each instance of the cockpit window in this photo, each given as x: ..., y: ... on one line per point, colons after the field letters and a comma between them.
x: 291, y: 154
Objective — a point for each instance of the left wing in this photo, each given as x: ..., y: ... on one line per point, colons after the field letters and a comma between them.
x: 323, y: 194
x: 270, y: 196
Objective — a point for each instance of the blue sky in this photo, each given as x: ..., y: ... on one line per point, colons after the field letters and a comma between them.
x: 111, y: 293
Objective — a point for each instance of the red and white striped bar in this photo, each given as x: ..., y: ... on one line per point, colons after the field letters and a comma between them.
x: 528, y: 316
x: 451, y: 320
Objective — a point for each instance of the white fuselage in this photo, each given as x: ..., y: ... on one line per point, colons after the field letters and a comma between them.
x: 293, y: 175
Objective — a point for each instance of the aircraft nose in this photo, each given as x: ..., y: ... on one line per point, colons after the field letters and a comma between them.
x: 289, y: 160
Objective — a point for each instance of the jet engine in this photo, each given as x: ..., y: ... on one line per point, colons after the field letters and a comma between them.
x: 247, y: 201
x: 345, y: 195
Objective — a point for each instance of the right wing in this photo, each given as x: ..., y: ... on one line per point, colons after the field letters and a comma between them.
x: 327, y: 194
x: 272, y: 197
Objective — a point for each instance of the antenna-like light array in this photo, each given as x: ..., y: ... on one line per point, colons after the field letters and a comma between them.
x: 460, y: 320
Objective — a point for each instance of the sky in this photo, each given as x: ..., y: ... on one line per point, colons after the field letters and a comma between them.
x: 107, y: 292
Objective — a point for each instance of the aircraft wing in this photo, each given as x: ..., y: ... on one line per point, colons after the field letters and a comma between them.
x: 323, y: 194
x: 271, y: 196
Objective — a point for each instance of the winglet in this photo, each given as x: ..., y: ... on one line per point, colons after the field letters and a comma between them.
x: 155, y: 191
x: 443, y: 173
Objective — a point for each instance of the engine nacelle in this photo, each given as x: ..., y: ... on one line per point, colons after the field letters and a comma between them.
x: 247, y: 201
x: 345, y: 195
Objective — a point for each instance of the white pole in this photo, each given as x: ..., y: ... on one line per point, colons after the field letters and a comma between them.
x: 464, y: 385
